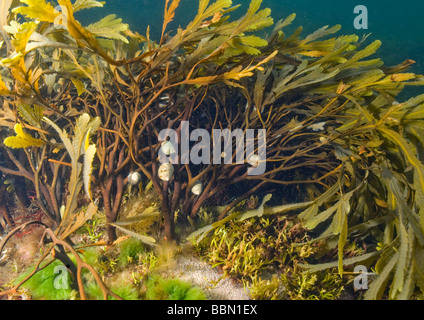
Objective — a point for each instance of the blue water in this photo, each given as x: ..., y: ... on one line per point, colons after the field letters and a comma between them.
x: 398, y: 24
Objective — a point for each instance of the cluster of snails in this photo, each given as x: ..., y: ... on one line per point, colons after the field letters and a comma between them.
x: 166, y: 170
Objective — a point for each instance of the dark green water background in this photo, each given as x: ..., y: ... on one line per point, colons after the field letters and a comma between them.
x: 398, y: 24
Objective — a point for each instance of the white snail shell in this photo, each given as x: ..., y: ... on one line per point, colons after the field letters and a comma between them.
x: 197, y: 188
x: 166, y: 171
x: 134, y: 178
x: 254, y: 160
x: 167, y: 148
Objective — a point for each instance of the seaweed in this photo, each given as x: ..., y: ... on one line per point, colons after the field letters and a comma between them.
x: 172, y: 289
x: 341, y: 151
x: 42, y: 285
x: 51, y: 283
x: 129, y: 250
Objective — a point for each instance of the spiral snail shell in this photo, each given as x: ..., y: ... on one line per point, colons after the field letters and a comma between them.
x: 254, y: 160
x: 134, y: 178
x: 197, y: 189
x: 166, y: 171
x: 167, y: 148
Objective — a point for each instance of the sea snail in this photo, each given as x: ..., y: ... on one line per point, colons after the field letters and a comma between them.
x: 197, y: 188
x: 254, y: 160
x: 134, y: 178
x: 167, y: 148
x: 166, y: 171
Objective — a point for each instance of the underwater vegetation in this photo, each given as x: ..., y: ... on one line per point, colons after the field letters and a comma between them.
x: 129, y: 272
x: 43, y: 286
x: 266, y: 255
x: 82, y: 107
x: 172, y: 289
